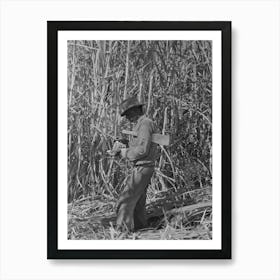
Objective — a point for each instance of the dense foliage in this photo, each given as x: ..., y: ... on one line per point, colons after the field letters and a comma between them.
x: 173, y: 78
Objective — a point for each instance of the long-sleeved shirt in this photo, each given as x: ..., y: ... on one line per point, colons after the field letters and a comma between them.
x: 142, y: 151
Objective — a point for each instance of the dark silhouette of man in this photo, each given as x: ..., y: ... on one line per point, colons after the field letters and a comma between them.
x: 142, y: 153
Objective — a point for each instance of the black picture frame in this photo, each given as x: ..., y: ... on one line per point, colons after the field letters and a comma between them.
x: 53, y: 27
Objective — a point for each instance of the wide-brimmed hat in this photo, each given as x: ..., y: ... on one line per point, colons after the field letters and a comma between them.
x: 129, y: 103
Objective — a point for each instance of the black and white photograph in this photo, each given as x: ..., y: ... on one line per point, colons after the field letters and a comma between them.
x: 137, y: 115
x: 139, y: 139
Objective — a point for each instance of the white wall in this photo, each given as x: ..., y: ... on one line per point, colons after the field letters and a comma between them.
x: 255, y: 139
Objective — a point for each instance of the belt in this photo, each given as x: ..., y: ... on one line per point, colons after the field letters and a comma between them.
x: 145, y: 164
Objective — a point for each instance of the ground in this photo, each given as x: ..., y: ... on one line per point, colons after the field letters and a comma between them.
x: 172, y: 217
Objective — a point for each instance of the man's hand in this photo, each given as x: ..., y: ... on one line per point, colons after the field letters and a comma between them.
x: 116, y: 148
x: 122, y: 140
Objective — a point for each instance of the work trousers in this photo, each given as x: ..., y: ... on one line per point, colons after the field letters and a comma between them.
x: 131, y: 212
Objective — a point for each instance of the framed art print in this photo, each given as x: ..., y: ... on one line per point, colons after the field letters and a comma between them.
x: 139, y: 140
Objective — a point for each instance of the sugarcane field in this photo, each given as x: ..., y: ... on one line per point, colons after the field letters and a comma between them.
x: 139, y: 130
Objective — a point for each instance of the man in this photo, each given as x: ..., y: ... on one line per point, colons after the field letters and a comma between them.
x: 142, y: 153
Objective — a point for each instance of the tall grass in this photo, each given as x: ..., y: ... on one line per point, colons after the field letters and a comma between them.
x: 173, y: 78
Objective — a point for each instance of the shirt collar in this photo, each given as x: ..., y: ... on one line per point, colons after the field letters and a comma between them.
x: 139, y: 121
